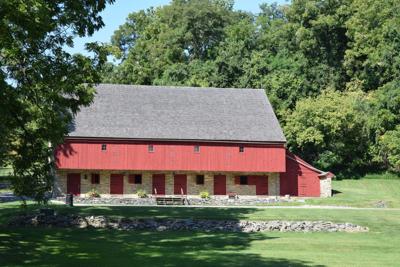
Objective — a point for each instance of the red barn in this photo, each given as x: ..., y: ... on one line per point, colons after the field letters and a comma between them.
x: 175, y: 140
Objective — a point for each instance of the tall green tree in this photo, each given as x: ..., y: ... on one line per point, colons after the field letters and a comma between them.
x: 172, y: 42
x: 373, y: 54
x: 42, y: 85
x: 329, y: 130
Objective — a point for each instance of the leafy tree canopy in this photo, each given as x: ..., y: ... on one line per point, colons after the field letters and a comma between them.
x: 41, y: 85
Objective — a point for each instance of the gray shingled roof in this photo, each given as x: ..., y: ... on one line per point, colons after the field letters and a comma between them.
x: 178, y: 113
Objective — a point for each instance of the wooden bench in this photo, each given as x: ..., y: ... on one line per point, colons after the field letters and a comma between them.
x: 170, y: 201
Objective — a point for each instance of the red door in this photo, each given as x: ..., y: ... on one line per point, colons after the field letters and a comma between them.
x: 159, y: 184
x: 302, y: 185
x: 180, y: 184
x: 116, y: 184
x: 262, y: 185
x: 74, y: 184
x: 219, y: 185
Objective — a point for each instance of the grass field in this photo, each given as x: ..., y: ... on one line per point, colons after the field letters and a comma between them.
x: 97, y: 247
x: 93, y: 247
x: 366, y: 192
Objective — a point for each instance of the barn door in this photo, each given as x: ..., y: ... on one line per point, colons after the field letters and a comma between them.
x: 116, y: 184
x: 219, y: 185
x: 303, y: 186
x: 74, y: 184
x: 158, y: 184
x: 262, y: 185
x: 180, y: 184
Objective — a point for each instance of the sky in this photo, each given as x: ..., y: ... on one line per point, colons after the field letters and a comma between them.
x: 115, y: 15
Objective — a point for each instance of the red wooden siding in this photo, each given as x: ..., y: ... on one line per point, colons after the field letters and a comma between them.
x: 116, y: 184
x: 180, y: 184
x: 171, y: 156
x: 219, y: 185
x: 299, y: 179
x: 261, y: 185
x: 74, y: 183
x: 158, y: 184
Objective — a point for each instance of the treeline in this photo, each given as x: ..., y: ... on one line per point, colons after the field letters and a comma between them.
x: 331, y: 68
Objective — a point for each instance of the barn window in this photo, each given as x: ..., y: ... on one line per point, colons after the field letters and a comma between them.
x: 103, y: 147
x: 95, y: 178
x: 241, y: 149
x: 151, y: 148
x: 200, y: 179
x: 243, y: 180
x: 197, y: 149
x: 135, y: 179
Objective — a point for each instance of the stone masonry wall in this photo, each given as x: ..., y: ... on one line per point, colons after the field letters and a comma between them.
x: 60, y: 185
x: 326, y: 187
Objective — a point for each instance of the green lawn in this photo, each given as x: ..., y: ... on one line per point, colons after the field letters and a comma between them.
x: 91, y: 247
x: 366, y: 192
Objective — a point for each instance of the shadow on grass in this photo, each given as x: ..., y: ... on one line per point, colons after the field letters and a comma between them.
x: 7, y: 211
x: 101, y: 247
x: 335, y: 192
x: 91, y: 247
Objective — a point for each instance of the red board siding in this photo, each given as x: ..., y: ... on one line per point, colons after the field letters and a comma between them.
x: 261, y: 185
x: 299, y: 180
x: 74, y: 184
x: 170, y: 156
x: 158, y: 184
x: 219, y: 185
x: 116, y: 184
x: 180, y: 184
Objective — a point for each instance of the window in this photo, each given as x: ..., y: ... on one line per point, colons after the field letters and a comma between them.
x: 138, y: 179
x: 196, y: 149
x: 151, y: 148
x: 135, y: 179
x: 241, y: 149
x: 200, y: 179
x: 243, y: 180
x: 103, y: 147
x: 95, y: 178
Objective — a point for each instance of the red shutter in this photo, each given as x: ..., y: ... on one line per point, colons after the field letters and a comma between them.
x: 237, y: 179
x: 131, y: 178
x: 93, y: 178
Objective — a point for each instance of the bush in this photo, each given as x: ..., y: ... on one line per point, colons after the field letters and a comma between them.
x: 204, y: 195
x: 141, y: 193
x: 93, y: 193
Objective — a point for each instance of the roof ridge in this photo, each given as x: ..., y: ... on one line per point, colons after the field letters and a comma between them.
x: 178, y: 87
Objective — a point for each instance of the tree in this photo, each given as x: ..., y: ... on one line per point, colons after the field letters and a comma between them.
x: 41, y: 85
x: 390, y: 148
x: 373, y: 54
x: 173, y: 41
x: 384, y: 116
x: 329, y: 130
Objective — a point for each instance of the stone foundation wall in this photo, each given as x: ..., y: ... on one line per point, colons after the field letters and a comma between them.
x: 326, y: 187
x: 103, y: 188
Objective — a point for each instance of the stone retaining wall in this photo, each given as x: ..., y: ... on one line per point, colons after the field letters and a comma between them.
x: 183, y: 224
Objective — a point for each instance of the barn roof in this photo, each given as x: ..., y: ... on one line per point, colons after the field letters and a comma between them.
x: 178, y: 113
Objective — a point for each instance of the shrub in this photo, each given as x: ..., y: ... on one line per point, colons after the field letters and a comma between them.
x: 141, y: 193
x: 205, y: 195
x: 93, y: 193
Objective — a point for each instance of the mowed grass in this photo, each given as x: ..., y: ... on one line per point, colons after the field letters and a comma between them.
x: 95, y: 247
x: 366, y: 192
